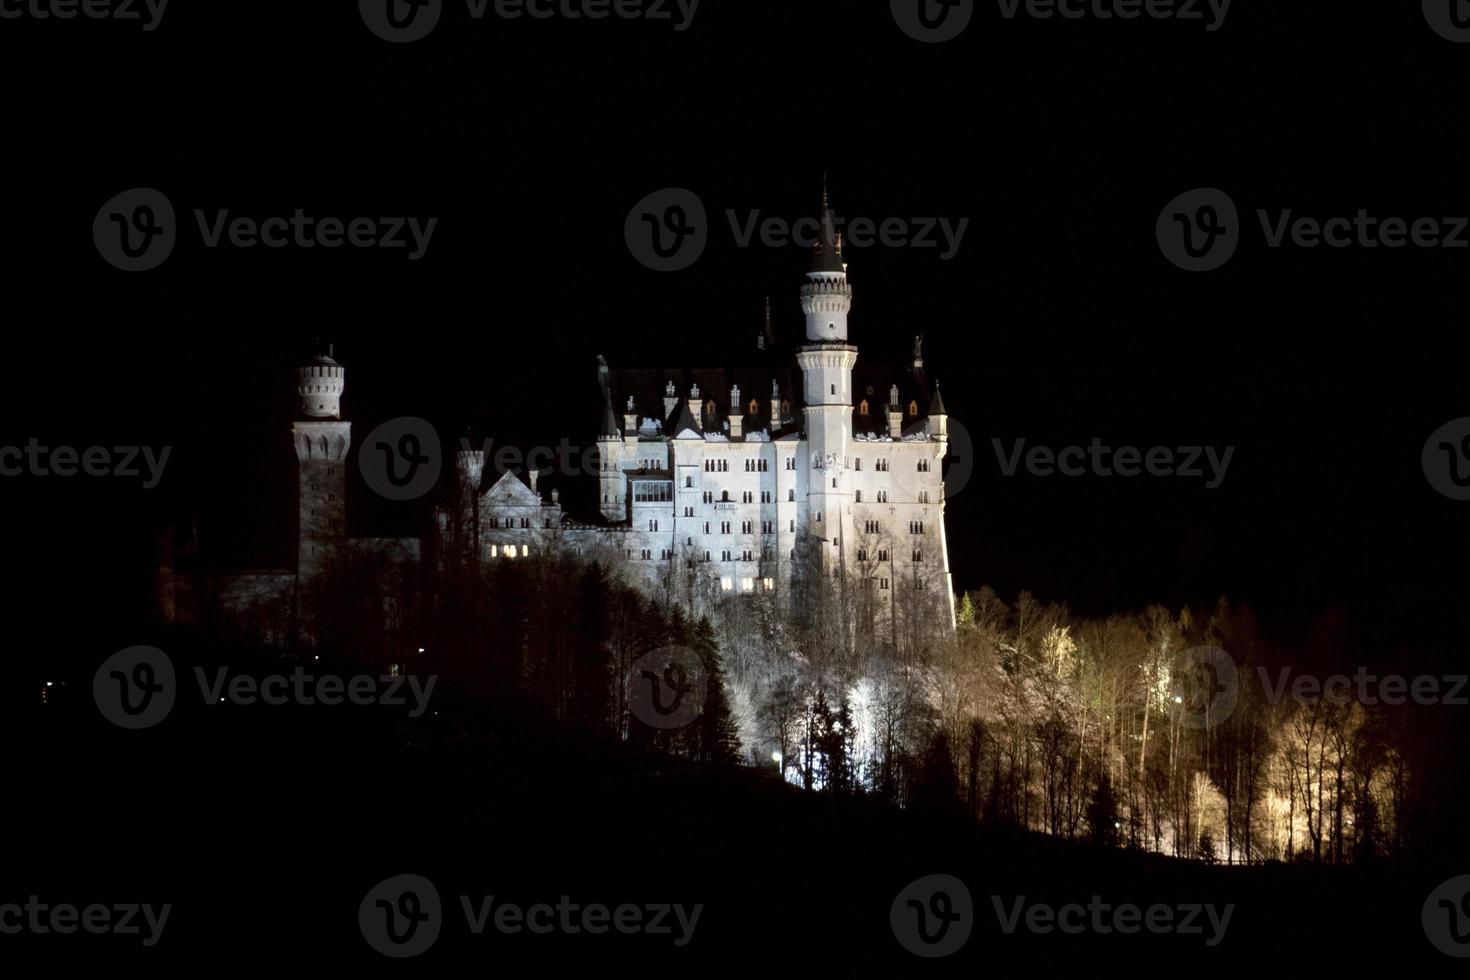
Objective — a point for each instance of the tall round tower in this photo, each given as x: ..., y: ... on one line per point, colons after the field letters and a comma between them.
x: 319, y: 385
x: 826, y: 362
x: 826, y: 298
x: 321, y: 439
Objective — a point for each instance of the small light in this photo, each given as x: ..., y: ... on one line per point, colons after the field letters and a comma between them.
x: 1178, y: 699
x: 421, y: 649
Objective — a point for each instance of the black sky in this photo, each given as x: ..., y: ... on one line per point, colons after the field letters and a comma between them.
x: 1058, y: 321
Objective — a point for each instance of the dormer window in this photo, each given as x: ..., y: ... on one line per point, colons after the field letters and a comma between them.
x: 863, y: 407
x: 913, y: 408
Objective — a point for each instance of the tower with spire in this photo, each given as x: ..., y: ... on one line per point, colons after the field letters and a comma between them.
x: 826, y: 362
x: 321, y: 438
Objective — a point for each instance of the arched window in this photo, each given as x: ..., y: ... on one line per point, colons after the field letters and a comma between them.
x: 754, y: 406
x: 709, y: 407
x: 863, y: 407
x: 913, y: 408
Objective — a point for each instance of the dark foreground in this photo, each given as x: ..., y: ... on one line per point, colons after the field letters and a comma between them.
x: 266, y: 828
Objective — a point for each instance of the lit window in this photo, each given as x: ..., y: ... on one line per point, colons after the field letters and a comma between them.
x: 726, y: 583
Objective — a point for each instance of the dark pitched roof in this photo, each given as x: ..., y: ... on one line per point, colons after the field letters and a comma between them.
x: 827, y: 252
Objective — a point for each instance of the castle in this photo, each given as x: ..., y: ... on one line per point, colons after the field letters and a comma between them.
x: 805, y: 480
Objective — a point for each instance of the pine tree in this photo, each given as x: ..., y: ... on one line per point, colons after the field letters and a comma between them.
x: 719, y: 738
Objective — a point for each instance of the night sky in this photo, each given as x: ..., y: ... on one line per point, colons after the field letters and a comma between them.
x: 1058, y: 321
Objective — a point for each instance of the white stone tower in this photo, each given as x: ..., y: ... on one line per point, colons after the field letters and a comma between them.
x: 826, y: 362
x: 321, y: 438
x: 610, y: 479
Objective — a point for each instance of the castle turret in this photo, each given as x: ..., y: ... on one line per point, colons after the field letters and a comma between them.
x: 469, y: 466
x: 321, y: 440
x: 826, y: 365
x: 737, y: 413
x: 826, y: 299
x: 610, y: 452
x: 938, y: 417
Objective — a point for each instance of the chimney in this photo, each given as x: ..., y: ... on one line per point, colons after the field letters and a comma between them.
x: 737, y: 418
x: 775, y: 407
x: 895, y: 414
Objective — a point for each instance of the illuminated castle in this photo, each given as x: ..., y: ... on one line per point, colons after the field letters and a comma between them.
x: 715, y: 482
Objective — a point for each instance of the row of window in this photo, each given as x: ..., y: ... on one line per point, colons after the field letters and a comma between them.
x: 918, y: 554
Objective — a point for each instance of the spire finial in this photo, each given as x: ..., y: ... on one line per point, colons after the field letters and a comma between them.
x: 824, y: 190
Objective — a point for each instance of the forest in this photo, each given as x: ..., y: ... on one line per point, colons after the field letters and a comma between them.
x: 1159, y: 730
